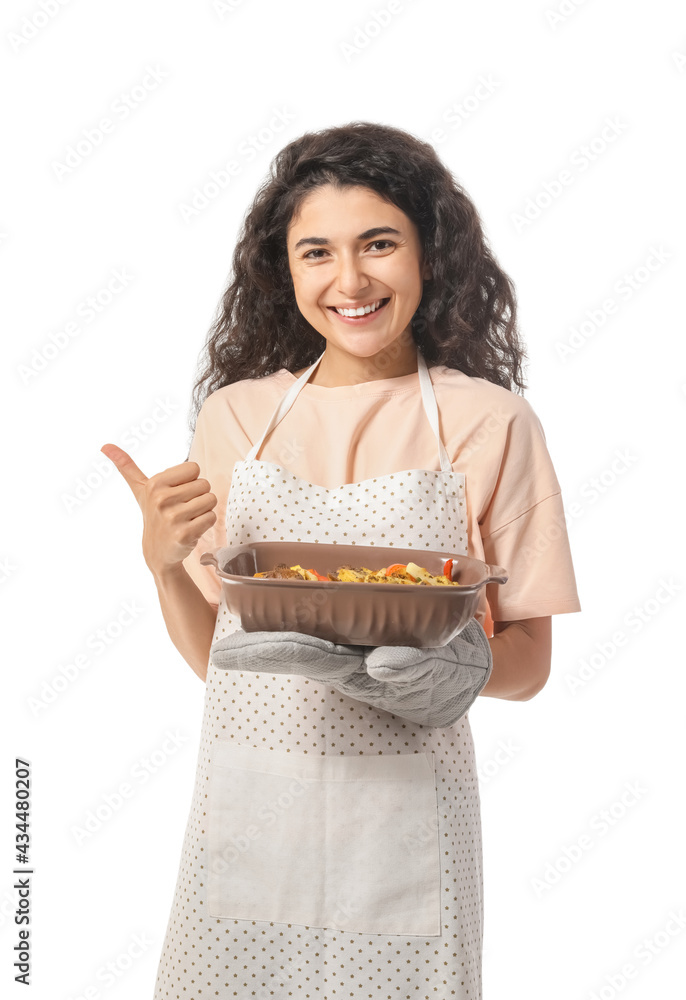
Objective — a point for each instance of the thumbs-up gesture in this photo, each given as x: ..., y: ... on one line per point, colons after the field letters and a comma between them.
x: 177, y: 508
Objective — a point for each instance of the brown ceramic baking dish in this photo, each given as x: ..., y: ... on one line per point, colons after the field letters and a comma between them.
x: 357, y: 614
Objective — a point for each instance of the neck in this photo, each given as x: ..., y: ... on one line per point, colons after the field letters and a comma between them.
x: 340, y: 368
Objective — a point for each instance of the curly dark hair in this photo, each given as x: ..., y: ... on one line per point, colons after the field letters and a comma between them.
x: 466, y: 318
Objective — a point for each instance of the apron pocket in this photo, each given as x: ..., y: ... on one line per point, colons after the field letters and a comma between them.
x: 343, y: 842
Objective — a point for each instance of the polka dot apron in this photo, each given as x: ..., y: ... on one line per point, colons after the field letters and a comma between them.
x: 332, y: 850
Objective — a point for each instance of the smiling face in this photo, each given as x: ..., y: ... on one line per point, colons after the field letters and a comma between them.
x: 349, y: 250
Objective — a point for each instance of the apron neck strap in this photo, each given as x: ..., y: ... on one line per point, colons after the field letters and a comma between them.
x: 431, y: 409
x: 284, y: 406
x: 428, y: 399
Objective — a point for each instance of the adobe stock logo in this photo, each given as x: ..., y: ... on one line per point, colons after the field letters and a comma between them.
x: 32, y: 24
x: 598, y: 827
x: 624, y: 289
x: 364, y: 34
x: 224, y: 7
x: 633, y: 622
x: 462, y: 110
x: 113, y: 800
x: 96, y: 643
x: 94, y: 135
x: 580, y: 159
x: 101, y: 468
x: 643, y: 955
x: 221, y: 177
x: 89, y: 309
x: 562, y: 13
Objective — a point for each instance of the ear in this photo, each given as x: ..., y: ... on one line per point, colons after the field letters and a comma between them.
x: 427, y: 273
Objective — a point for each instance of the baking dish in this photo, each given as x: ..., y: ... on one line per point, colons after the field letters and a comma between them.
x: 357, y: 614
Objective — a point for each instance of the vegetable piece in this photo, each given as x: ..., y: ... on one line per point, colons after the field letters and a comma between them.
x: 418, y: 572
x: 304, y: 574
x: 448, y: 569
x: 348, y: 574
x: 400, y: 567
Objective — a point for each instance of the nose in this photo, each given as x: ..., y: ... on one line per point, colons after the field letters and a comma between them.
x: 351, y: 278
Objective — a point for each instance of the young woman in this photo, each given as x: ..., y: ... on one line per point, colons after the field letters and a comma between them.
x: 362, y: 383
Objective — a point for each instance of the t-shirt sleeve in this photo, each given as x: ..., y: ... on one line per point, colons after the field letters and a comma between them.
x: 212, y: 450
x: 524, y: 530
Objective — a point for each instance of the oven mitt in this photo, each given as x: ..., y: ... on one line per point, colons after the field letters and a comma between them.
x: 431, y: 686
x: 288, y: 653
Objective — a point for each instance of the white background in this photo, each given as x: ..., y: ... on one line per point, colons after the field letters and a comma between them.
x: 562, y: 921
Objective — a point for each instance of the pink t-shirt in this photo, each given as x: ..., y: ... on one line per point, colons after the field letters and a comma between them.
x: 344, y: 434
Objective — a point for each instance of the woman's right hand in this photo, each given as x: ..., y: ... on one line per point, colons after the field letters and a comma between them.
x: 177, y: 509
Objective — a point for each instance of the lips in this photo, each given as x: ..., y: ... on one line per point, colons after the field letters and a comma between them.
x: 365, y: 317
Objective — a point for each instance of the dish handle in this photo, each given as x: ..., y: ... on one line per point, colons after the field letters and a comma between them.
x: 496, y: 574
x: 209, y: 559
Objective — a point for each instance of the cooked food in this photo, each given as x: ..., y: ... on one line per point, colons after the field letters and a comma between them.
x: 397, y: 573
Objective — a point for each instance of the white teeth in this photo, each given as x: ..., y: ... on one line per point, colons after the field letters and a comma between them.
x: 361, y: 311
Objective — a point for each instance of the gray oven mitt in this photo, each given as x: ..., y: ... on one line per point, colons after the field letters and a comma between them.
x: 431, y: 686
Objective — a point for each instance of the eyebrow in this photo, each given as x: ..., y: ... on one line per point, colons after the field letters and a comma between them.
x: 321, y: 241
